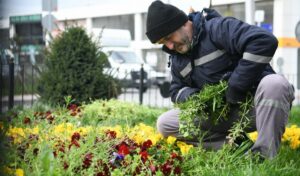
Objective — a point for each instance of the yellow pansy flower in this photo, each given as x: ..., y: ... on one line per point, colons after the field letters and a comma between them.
x: 253, y: 136
x: 141, y: 133
x: 156, y: 138
x: 64, y: 130
x: 294, y: 144
x: 84, y: 130
x: 171, y: 139
x: 184, y: 148
x: 19, y: 172
x: 34, y: 130
x: 16, y: 133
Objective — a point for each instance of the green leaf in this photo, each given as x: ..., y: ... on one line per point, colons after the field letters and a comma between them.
x: 214, y: 104
x: 46, y: 160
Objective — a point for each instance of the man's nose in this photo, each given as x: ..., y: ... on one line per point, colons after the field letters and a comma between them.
x: 170, y: 45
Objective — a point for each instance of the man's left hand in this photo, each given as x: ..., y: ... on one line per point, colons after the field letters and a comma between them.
x: 234, y: 96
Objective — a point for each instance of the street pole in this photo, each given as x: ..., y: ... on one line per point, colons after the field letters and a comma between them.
x: 249, y: 11
x: 1, y: 83
x: 141, y: 88
x: 48, y: 6
x: 11, y: 83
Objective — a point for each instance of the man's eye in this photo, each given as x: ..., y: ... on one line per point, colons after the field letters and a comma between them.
x: 168, y: 37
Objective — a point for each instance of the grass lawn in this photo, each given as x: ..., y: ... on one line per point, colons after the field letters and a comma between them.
x: 118, y: 138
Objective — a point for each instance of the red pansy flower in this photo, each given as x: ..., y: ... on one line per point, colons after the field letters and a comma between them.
x: 66, y: 165
x: 144, y: 155
x: 26, y: 120
x: 75, y: 136
x: 166, y: 168
x: 87, y: 160
x: 75, y: 142
x: 123, y: 149
x: 147, y: 144
x: 111, y: 134
x: 177, y: 170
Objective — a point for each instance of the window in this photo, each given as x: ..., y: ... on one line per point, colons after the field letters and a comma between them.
x: 238, y: 10
x: 30, y: 33
x: 116, y: 22
x: 4, y: 35
x: 125, y: 57
x: 234, y: 10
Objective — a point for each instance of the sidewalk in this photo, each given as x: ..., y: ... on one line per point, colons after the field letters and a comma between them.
x: 27, y: 97
x: 19, y: 100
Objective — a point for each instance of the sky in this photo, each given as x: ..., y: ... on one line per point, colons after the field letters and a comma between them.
x: 23, y: 7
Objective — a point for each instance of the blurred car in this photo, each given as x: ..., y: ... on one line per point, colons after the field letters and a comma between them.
x: 123, y: 62
x: 126, y: 67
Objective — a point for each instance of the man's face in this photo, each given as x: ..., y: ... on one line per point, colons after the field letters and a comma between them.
x: 178, y: 41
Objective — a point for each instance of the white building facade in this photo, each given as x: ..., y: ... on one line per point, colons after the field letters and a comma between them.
x: 278, y: 16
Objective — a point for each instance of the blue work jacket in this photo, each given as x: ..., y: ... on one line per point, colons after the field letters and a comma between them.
x: 222, y: 46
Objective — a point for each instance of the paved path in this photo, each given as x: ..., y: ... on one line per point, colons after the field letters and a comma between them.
x: 151, y: 97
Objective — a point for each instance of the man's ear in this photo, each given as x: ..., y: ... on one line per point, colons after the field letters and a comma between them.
x: 185, y: 24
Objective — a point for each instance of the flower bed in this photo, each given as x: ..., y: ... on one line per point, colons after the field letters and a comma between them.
x: 99, y: 150
x: 79, y: 141
x: 43, y: 144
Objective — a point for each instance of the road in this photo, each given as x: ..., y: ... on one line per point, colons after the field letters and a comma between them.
x: 151, y: 97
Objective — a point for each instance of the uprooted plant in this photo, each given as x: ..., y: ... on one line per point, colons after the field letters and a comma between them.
x: 210, y: 104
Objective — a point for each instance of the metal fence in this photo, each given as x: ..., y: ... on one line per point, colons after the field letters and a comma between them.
x: 19, y: 87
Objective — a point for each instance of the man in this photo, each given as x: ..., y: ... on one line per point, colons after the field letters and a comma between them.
x: 205, y: 48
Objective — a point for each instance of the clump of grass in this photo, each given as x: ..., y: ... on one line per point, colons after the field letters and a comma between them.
x: 114, y: 112
x: 295, y: 115
x: 210, y: 104
x: 226, y: 162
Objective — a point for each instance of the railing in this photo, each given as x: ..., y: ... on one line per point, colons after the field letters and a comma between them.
x: 19, y: 86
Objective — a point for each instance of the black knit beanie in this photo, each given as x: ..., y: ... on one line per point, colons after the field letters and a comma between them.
x: 163, y: 19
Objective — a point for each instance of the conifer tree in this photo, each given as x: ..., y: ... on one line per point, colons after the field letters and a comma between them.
x: 74, y: 67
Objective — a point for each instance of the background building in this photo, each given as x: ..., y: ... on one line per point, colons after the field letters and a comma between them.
x: 24, y: 19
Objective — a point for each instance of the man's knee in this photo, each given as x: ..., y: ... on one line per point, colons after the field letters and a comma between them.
x: 274, y: 95
x: 276, y: 87
x: 160, y: 124
x: 168, y: 123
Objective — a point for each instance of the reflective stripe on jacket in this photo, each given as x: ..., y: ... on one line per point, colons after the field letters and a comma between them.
x: 222, y: 45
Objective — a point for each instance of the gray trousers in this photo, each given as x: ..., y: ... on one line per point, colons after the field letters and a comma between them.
x: 272, y: 102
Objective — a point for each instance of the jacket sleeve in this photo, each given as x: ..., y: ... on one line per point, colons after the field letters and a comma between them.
x: 180, y: 90
x: 254, y: 45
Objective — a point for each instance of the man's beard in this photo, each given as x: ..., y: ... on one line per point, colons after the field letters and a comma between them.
x: 184, y: 46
